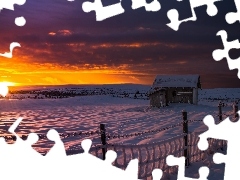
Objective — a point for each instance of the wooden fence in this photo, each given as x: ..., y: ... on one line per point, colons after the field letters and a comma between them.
x: 154, y: 155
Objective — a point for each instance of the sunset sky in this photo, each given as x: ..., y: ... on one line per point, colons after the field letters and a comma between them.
x: 61, y: 44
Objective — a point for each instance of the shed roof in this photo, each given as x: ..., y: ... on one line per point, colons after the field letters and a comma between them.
x: 165, y: 81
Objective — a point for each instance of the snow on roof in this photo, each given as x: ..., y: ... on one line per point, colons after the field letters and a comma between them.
x: 164, y: 81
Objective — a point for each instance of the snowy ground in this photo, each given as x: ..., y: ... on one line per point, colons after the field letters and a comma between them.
x: 122, y: 115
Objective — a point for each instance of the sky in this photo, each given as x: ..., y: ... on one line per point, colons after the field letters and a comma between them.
x: 62, y: 44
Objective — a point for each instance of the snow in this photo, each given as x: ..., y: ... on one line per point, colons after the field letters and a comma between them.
x: 164, y: 81
x: 121, y: 114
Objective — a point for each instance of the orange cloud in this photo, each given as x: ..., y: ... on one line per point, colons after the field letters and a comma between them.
x: 52, y: 33
x: 22, y: 73
x: 65, y: 32
x: 126, y: 45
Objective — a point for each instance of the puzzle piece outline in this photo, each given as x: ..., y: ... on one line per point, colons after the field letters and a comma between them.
x: 180, y: 162
x: 11, y: 48
x: 9, y: 4
x: 173, y: 14
x: 129, y: 173
x: 214, y: 131
x: 220, y: 54
x: 103, y: 169
x: 153, y: 6
x: 102, y: 12
x: 232, y: 158
x: 232, y: 17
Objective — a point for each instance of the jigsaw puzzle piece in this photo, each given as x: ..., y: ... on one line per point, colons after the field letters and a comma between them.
x: 173, y: 14
x: 180, y: 162
x: 102, y: 12
x: 153, y: 6
x: 219, y: 54
x: 232, y: 17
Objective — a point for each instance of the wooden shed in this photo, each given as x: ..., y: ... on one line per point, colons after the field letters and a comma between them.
x: 174, y: 89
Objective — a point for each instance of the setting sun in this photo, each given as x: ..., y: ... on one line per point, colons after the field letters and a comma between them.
x: 4, y: 88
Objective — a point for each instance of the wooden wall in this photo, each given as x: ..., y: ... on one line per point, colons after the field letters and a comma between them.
x: 172, y: 95
x: 181, y: 95
x: 156, y: 99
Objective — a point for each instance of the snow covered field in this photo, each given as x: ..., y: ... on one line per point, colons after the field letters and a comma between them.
x: 122, y: 115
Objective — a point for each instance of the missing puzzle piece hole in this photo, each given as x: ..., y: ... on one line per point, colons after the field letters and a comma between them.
x: 231, y: 18
x: 209, y: 121
x: 53, y: 135
x: 212, y: 10
x: 204, y: 172
x: 219, y: 158
x: 203, y: 144
x: 86, y: 6
x: 86, y: 145
x: 174, y: 161
x: 110, y: 156
x: 157, y: 174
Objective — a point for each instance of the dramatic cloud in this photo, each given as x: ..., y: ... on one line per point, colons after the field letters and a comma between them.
x: 59, y: 38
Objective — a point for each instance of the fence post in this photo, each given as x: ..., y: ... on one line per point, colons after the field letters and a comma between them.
x: 235, y: 109
x: 220, y: 105
x: 185, y: 131
x: 103, y: 139
x: 220, y: 111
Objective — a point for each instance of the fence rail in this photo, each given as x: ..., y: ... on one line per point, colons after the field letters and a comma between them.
x: 154, y: 155
x: 151, y: 155
x: 113, y: 136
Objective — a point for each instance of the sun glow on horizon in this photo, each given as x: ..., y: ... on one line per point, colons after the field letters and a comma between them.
x: 4, y: 88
